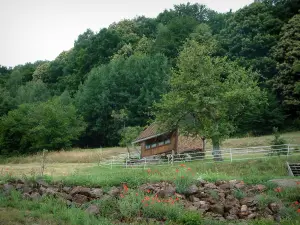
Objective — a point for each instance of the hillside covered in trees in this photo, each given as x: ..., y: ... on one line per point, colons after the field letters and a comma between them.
x: 106, y: 86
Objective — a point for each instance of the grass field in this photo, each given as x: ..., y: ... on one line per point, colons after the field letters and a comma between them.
x: 80, y: 167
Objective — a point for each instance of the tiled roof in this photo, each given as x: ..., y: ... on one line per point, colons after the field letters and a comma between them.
x: 186, y: 143
x: 151, y: 131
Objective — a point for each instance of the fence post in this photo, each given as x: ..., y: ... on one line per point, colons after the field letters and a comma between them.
x: 230, y: 155
x: 126, y: 162
x: 172, y: 159
x: 288, y: 151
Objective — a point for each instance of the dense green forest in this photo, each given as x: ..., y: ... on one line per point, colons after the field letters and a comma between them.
x: 119, y: 79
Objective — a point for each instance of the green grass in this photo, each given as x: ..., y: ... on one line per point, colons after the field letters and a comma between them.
x: 252, y: 171
x: 47, y: 210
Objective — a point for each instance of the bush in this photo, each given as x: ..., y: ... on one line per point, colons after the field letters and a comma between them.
x: 184, y: 179
x: 37, y: 126
x: 191, y: 218
x: 277, y: 142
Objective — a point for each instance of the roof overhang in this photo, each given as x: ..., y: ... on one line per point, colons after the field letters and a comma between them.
x: 147, y: 138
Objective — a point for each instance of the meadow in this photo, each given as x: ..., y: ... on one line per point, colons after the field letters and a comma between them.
x: 78, y: 167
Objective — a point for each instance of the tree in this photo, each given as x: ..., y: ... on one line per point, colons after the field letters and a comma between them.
x: 120, y: 91
x: 32, y: 91
x: 33, y: 127
x: 207, y: 95
x: 287, y: 53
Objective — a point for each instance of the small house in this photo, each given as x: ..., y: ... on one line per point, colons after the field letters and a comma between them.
x: 155, y: 142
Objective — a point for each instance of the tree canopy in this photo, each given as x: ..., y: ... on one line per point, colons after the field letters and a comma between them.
x: 240, y: 68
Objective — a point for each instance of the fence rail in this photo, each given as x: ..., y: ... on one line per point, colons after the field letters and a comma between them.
x: 223, y: 155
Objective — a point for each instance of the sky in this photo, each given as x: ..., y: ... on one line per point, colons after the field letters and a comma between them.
x: 34, y: 30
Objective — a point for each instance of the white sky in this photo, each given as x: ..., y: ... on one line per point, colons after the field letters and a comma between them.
x: 33, y: 30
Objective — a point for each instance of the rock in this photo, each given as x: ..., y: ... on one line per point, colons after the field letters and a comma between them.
x: 93, y: 210
x: 224, y: 186
x: 66, y: 189
x: 42, y: 183
x: 26, y: 196
x: 80, y: 190
x: 220, y: 182
x: 243, y: 212
x: 239, y: 185
x: 35, y: 196
x: 19, y: 186
x: 251, y: 216
x: 249, y: 201
x: 114, y: 192
x: 244, y: 208
x: 26, y: 189
x: 217, y: 208
x: 7, y: 188
x: 192, y: 190
x: 201, y: 182
x: 79, y: 198
x: 20, y: 181
x: 231, y: 217
x: 260, y: 187
x: 204, y: 205
x: 210, y: 186
x: 49, y: 191
x: 180, y: 196
x: 166, y: 192
x: 194, y: 199
x: 96, y: 193
x: 192, y: 208
x: 274, y: 207
x: 63, y: 195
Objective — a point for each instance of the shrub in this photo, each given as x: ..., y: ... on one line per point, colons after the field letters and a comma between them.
x: 239, y: 194
x: 184, y: 179
x: 277, y: 143
x: 191, y: 218
x: 130, y: 204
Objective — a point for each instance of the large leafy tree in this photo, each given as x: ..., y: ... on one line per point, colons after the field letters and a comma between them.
x: 249, y: 35
x: 207, y: 95
x: 33, y: 127
x: 287, y: 53
x: 124, y: 85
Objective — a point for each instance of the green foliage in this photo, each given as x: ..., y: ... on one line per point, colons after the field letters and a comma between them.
x: 132, y: 84
x: 128, y: 135
x: 50, y: 209
x: 131, y: 204
x: 261, y: 37
x: 287, y: 54
x: 207, y: 94
x: 191, y: 218
x: 33, y: 127
x: 239, y: 194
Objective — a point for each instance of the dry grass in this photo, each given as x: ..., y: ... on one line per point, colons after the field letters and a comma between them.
x: 33, y: 169
x: 291, y: 138
x: 73, y: 156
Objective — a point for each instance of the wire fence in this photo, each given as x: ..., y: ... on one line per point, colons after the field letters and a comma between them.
x: 209, y: 156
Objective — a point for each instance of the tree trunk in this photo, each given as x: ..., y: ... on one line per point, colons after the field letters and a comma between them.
x: 216, y: 149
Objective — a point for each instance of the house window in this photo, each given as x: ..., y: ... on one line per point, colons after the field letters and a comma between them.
x: 148, y: 146
x: 167, y: 141
x: 161, y: 143
x: 153, y: 145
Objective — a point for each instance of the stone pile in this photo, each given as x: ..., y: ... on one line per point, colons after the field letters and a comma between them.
x: 222, y: 200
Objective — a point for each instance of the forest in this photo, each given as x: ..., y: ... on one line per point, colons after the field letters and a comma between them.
x: 227, y: 74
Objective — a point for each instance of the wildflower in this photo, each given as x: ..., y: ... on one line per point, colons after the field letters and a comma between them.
x: 148, y: 191
x: 278, y: 189
x: 296, y: 203
x: 148, y: 171
x: 145, y: 204
x: 125, y: 188
x: 189, y: 169
x: 136, y: 194
x: 182, y: 176
x: 176, y: 199
x: 177, y: 170
x: 182, y: 165
x: 298, y: 210
x: 298, y: 182
x: 121, y: 196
